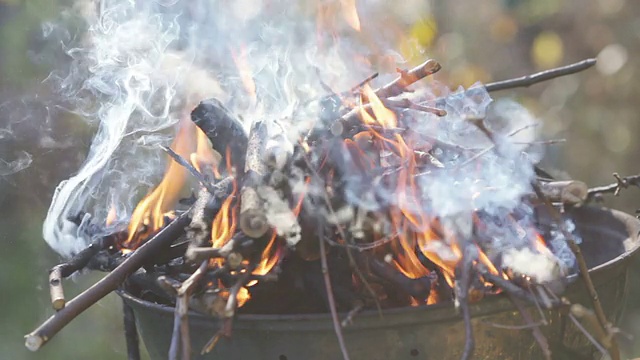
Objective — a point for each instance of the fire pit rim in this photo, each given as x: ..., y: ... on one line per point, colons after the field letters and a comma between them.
x: 438, y: 312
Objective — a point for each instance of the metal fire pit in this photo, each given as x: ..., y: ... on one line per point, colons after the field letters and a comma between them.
x: 610, y: 241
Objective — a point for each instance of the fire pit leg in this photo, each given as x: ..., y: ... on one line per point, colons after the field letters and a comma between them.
x: 131, y: 332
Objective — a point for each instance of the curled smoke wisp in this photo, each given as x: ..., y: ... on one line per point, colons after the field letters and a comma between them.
x: 138, y: 68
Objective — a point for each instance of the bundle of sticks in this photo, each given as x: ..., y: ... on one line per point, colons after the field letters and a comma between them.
x: 303, y: 219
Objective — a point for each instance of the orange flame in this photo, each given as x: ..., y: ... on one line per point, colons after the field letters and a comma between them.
x: 148, y: 215
x: 242, y: 63
x: 383, y: 116
x: 111, y: 215
x: 350, y: 13
x: 243, y: 297
x: 224, y: 224
x: 204, y: 158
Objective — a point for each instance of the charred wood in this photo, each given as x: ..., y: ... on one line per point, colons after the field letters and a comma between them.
x: 224, y: 131
x: 418, y: 289
x: 76, y: 263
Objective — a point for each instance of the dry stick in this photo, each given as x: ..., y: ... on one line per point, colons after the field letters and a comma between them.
x: 586, y: 333
x: 253, y: 220
x: 570, y: 192
x: 197, y: 174
x: 130, y: 332
x: 516, y: 291
x: 224, y: 130
x: 181, y: 320
x: 528, y: 80
x: 621, y: 183
x: 408, y: 104
x: 76, y: 263
x: 330, y: 299
x: 584, y: 269
x: 407, y: 78
x: 418, y: 288
x: 537, y: 333
x: 109, y: 283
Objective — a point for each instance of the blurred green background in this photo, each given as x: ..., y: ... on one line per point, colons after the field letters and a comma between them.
x: 595, y: 111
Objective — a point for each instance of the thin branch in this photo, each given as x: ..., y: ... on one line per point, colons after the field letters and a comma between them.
x: 343, y: 235
x: 537, y: 333
x: 615, y: 188
x: 197, y: 174
x: 330, y: 298
x: 528, y: 80
x: 407, y: 78
x: 462, y: 287
x: 582, y: 264
x: 145, y: 253
x: 76, y: 263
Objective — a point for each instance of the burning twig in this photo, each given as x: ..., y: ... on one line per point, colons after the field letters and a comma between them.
x: 76, y: 263
x: 232, y: 301
x: 233, y: 247
x: 407, y: 78
x: 109, y: 283
x: 130, y: 332
x: 197, y: 174
x: 518, y: 292
x: 207, y: 205
x: 418, y: 289
x: 253, y: 220
x: 528, y: 80
x: 615, y: 188
x: 224, y: 131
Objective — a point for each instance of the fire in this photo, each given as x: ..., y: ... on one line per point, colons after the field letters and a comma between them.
x: 204, y: 158
x: 111, y: 215
x: 240, y: 58
x: 149, y: 214
x: 243, y: 296
x: 270, y: 256
x: 224, y: 224
x: 418, y: 232
x: 350, y: 13
x: 383, y: 116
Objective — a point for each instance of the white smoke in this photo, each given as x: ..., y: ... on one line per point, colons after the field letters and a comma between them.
x: 141, y: 65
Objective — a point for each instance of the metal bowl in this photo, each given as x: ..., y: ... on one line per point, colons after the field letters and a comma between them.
x: 610, y: 241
